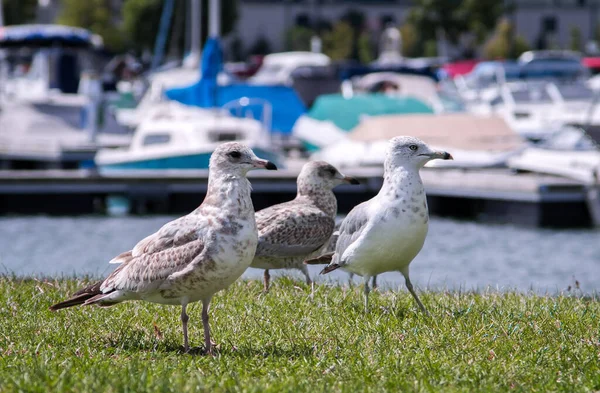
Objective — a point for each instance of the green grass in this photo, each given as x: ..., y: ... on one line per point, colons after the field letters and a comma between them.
x: 285, y: 342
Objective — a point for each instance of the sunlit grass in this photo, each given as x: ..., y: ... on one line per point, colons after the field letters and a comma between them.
x: 286, y: 341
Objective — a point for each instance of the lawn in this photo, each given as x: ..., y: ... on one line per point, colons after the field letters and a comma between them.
x: 284, y: 341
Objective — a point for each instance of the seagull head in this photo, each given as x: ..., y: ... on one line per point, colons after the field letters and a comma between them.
x: 237, y: 158
x: 321, y: 175
x: 409, y: 151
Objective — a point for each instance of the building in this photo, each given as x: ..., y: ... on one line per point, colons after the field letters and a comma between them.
x: 533, y: 19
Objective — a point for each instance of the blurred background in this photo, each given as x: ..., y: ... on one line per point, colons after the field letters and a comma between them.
x: 110, y: 109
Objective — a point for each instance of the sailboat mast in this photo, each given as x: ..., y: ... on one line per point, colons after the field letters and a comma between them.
x: 214, y: 19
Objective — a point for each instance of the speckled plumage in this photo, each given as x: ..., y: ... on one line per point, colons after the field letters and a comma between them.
x: 290, y: 232
x: 386, y: 232
x: 195, y: 256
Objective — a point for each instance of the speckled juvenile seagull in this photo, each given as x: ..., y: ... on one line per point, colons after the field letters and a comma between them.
x: 195, y: 256
x: 290, y: 232
x: 386, y: 232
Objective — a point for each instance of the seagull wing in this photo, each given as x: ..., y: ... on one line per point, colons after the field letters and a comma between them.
x: 291, y: 229
x: 170, y: 250
x: 351, y: 229
x: 172, y: 234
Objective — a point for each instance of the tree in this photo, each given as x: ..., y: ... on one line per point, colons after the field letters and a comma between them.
x: 365, y: 48
x: 410, y: 40
x: 504, y: 44
x: 356, y: 21
x: 297, y: 38
x: 337, y: 43
x: 96, y: 16
x: 19, y: 11
x: 576, y: 39
x: 455, y: 17
x: 141, y: 19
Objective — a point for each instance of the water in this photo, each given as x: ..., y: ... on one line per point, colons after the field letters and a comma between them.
x: 456, y: 254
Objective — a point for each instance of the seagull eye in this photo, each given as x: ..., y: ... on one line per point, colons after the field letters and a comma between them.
x: 413, y: 147
x: 235, y: 154
x: 331, y: 172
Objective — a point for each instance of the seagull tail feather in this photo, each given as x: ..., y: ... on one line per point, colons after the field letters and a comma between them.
x: 330, y: 268
x: 320, y: 260
x: 80, y: 297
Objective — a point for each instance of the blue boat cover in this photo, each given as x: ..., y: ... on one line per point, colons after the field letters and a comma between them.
x: 286, y: 106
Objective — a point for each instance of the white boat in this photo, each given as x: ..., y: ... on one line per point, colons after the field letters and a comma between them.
x: 569, y: 153
x: 180, y: 137
x: 277, y: 68
x: 474, y: 141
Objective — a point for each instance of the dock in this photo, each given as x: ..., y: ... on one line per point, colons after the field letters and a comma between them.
x: 490, y: 195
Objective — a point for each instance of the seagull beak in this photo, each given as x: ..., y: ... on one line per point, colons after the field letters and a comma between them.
x: 350, y: 180
x: 259, y: 163
x: 442, y: 155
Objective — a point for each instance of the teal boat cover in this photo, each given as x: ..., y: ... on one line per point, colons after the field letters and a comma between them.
x: 345, y: 113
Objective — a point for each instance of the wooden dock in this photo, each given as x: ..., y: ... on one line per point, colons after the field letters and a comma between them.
x: 493, y: 195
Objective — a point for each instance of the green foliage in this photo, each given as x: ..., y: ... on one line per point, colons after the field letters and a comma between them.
x: 365, y: 48
x: 94, y: 15
x: 284, y: 341
x: 576, y: 39
x: 455, y: 17
x: 410, y: 40
x: 504, y: 44
x: 430, y: 48
x: 141, y: 19
x: 338, y: 43
x: 297, y: 38
x: 19, y: 11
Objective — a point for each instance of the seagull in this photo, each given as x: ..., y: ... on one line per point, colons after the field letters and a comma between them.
x: 387, y: 232
x: 290, y: 232
x: 195, y: 256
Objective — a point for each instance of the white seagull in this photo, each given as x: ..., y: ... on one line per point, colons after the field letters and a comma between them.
x: 195, y: 256
x: 290, y: 232
x: 386, y: 232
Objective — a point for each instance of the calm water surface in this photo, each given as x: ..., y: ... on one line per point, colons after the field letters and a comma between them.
x: 456, y: 254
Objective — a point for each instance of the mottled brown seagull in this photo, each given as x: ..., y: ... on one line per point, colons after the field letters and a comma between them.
x: 386, y: 232
x: 195, y: 256
x: 290, y: 232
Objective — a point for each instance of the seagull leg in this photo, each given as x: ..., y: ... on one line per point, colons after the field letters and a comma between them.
x: 350, y: 277
x: 412, y: 291
x: 207, y: 342
x: 374, y: 285
x: 304, y: 271
x: 367, y: 290
x: 267, y: 277
x: 184, y: 322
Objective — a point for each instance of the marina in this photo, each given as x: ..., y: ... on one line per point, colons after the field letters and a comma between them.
x: 488, y: 195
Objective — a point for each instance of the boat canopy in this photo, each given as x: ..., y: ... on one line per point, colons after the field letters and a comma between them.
x: 285, y: 105
x: 346, y: 113
x: 46, y: 36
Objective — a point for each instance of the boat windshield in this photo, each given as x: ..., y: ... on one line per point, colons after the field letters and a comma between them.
x: 575, y: 92
x: 532, y: 96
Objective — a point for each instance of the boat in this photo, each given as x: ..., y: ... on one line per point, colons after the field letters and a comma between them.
x: 333, y: 115
x: 175, y: 136
x: 50, y: 98
x: 475, y: 141
x: 571, y: 152
x: 277, y: 68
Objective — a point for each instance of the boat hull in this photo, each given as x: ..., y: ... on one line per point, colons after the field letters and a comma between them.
x: 198, y: 160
